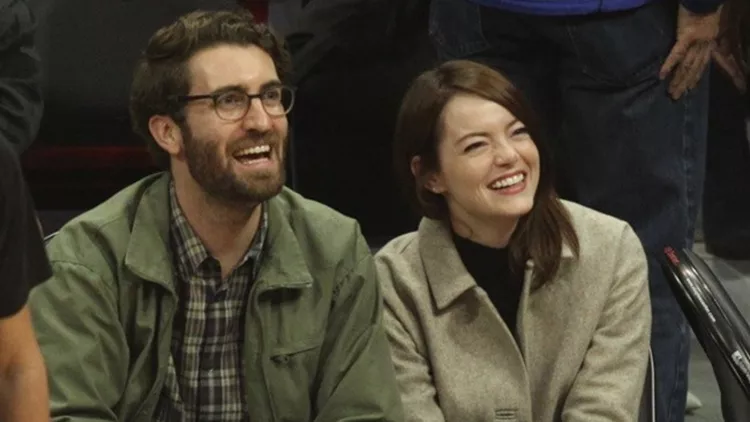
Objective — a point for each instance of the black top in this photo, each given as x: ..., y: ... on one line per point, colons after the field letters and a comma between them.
x: 23, y: 260
x: 491, y: 269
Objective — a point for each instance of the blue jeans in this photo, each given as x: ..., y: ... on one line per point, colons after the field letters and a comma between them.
x: 622, y: 145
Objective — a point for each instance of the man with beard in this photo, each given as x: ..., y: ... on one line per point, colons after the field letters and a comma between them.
x: 210, y: 292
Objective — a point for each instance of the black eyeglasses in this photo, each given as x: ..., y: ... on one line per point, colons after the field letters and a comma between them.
x: 233, y: 105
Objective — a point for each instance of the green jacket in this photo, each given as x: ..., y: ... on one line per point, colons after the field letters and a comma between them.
x: 315, y: 347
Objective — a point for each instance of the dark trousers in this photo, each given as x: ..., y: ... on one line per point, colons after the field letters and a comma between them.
x: 623, y: 146
x: 726, y: 200
x: 344, y: 120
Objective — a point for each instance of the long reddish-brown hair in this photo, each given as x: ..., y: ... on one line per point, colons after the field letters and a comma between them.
x: 539, y: 235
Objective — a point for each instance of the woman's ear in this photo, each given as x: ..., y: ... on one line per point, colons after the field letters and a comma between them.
x: 433, y: 181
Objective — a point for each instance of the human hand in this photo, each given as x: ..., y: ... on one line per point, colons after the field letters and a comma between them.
x: 687, y: 61
x: 728, y: 54
x: 731, y: 67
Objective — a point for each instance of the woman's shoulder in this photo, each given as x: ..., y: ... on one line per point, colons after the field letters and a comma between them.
x: 600, y: 233
x: 398, y: 253
x: 590, y: 223
x: 400, y: 267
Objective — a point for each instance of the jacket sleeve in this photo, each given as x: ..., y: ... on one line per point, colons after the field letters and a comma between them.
x: 702, y: 6
x: 76, y: 320
x: 418, y: 393
x: 610, y: 382
x: 358, y: 382
x: 20, y: 87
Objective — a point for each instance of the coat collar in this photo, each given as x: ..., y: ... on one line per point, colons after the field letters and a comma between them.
x: 447, y: 276
x: 150, y: 257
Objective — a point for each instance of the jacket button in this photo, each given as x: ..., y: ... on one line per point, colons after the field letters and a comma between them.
x: 282, y: 359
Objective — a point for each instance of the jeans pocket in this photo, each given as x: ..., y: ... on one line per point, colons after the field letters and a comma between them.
x: 455, y: 28
x: 624, y: 48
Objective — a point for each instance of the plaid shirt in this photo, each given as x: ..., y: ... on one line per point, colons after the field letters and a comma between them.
x: 205, y: 378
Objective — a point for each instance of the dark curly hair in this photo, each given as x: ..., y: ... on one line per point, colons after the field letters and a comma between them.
x: 161, y: 72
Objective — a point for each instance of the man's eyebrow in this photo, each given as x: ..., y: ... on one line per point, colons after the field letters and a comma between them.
x: 270, y: 84
x: 228, y: 88
x: 241, y: 88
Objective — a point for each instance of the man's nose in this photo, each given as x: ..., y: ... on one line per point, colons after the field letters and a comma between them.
x: 257, y: 117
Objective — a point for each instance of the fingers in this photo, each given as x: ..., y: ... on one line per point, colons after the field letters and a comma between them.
x: 682, y: 73
x: 699, y: 67
x: 731, y: 68
x: 691, y: 69
x: 676, y: 55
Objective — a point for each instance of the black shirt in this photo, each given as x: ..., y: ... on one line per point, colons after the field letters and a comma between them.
x: 491, y: 269
x: 23, y: 260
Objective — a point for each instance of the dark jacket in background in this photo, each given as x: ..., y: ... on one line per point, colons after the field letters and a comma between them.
x: 353, y: 61
x: 584, y: 7
x: 20, y: 91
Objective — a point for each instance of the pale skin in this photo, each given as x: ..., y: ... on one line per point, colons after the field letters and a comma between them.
x: 23, y: 379
x: 481, y: 142
x: 226, y: 229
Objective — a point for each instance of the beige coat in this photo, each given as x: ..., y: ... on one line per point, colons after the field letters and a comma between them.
x: 583, y: 337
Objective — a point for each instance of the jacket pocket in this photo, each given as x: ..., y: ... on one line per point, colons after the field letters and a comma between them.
x: 455, y: 27
x: 292, y: 370
x: 627, y: 47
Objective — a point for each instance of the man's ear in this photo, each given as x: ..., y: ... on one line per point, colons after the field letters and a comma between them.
x: 166, y: 133
x: 433, y: 182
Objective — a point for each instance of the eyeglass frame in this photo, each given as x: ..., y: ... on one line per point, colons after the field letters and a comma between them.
x: 238, y: 90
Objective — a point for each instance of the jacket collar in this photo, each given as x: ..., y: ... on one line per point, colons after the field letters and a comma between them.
x: 150, y: 257
x: 447, y: 276
x: 283, y: 264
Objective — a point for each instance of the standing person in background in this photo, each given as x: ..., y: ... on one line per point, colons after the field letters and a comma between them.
x: 625, y: 81
x: 23, y: 262
x: 20, y: 89
x: 726, y: 206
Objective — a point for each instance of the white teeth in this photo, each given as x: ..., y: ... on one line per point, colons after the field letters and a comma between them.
x: 508, y: 181
x: 260, y: 149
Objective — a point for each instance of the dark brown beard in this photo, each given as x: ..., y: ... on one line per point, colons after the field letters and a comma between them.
x: 211, y: 171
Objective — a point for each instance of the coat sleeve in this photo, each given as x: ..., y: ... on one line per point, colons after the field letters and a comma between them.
x: 77, y: 325
x: 610, y: 382
x: 20, y: 87
x: 702, y: 6
x: 358, y: 381
x: 418, y: 392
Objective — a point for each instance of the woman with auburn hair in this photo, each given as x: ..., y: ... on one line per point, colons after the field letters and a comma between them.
x: 507, y: 303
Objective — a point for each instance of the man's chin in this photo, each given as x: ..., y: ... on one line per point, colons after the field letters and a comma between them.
x: 262, y: 189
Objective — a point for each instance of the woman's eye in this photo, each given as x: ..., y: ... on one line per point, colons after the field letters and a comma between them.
x: 520, y: 131
x: 472, y: 146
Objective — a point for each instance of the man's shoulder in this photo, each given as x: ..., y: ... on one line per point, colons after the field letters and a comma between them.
x: 319, y: 229
x: 102, y: 230
x: 318, y: 216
